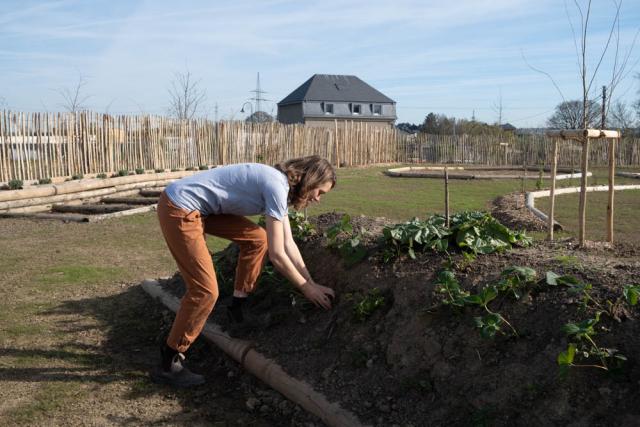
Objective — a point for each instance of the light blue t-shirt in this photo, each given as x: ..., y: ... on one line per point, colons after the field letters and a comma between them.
x: 240, y: 189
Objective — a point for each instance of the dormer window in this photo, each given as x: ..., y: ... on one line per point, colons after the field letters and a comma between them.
x: 328, y: 108
x: 376, y: 109
x: 357, y: 109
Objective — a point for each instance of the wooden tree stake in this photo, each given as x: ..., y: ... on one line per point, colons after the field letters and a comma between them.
x: 612, y: 167
x: 552, y: 193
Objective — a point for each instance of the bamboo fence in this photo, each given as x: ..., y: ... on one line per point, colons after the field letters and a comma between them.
x: 48, y: 145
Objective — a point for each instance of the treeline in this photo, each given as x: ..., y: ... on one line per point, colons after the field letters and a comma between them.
x: 440, y: 124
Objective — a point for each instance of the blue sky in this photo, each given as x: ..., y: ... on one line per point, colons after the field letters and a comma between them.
x: 452, y: 57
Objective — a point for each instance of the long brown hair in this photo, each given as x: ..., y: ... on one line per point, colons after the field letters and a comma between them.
x: 304, y: 175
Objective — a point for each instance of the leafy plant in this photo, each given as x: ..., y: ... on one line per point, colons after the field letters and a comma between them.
x: 78, y: 176
x: 515, y: 279
x: 490, y: 323
x: 203, y: 167
x: 15, y: 184
x: 123, y: 172
x: 191, y: 168
x: 101, y: 175
x: 342, y: 238
x: 449, y: 287
x: 483, y: 234
x: 631, y: 294
x: 363, y: 309
x: 475, y: 232
x: 175, y: 170
x: 158, y: 170
x: 140, y: 171
x: 300, y: 227
x: 42, y: 181
x: 415, y: 235
x: 585, y: 346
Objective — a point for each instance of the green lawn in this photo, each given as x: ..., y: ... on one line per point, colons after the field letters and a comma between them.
x: 626, y: 219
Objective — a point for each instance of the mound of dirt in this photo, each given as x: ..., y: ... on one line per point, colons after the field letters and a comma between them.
x: 409, y: 360
x: 510, y: 210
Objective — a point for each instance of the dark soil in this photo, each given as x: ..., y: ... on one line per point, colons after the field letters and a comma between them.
x: 417, y: 362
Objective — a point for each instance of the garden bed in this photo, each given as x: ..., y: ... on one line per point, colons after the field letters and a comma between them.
x: 392, y: 353
x: 482, y: 172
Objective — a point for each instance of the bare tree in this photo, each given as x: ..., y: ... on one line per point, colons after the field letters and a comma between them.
x: 185, y: 96
x: 620, y: 67
x: 570, y: 115
x: 618, y: 72
x: 620, y: 116
x: 74, y: 98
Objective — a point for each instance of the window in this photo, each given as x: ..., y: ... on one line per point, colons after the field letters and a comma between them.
x: 377, y: 109
x: 328, y: 108
x: 357, y: 109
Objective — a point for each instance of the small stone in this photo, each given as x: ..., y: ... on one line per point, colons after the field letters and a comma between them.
x: 252, y: 403
x: 264, y: 409
x: 326, y: 374
x: 230, y: 374
x: 369, y: 363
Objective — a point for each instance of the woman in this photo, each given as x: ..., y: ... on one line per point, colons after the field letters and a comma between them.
x: 216, y: 202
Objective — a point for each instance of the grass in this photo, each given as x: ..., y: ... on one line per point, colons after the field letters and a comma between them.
x: 72, y: 315
x: 50, y: 398
x: 626, y: 220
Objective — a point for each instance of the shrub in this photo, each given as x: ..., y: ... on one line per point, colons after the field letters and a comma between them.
x: 159, y: 170
x: 175, y: 170
x: 203, y: 167
x: 44, y: 181
x: 123, y: 172
x: 140, y: 171
x: 15, y: 184
x: 101, y: 175
x: 78, y: 176
x: 190, y: 168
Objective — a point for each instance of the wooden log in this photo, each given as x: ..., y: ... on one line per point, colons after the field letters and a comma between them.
x: 90, y: 209
x: 39, y: 215
x: 131, y: 200
x: 582, y: 134
x: 552, y: 194
x: 151, y: 193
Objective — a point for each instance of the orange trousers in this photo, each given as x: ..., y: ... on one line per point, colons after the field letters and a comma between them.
x: 184, y: 233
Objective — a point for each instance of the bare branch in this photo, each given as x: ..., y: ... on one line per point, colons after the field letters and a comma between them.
x: 545, y: 73
x: 185, y: 96
x: 73, y: 98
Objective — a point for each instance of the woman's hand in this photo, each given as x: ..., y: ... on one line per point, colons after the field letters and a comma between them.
x: 319, y: 295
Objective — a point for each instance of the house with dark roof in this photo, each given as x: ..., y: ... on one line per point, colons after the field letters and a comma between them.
x: 325, y: 99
